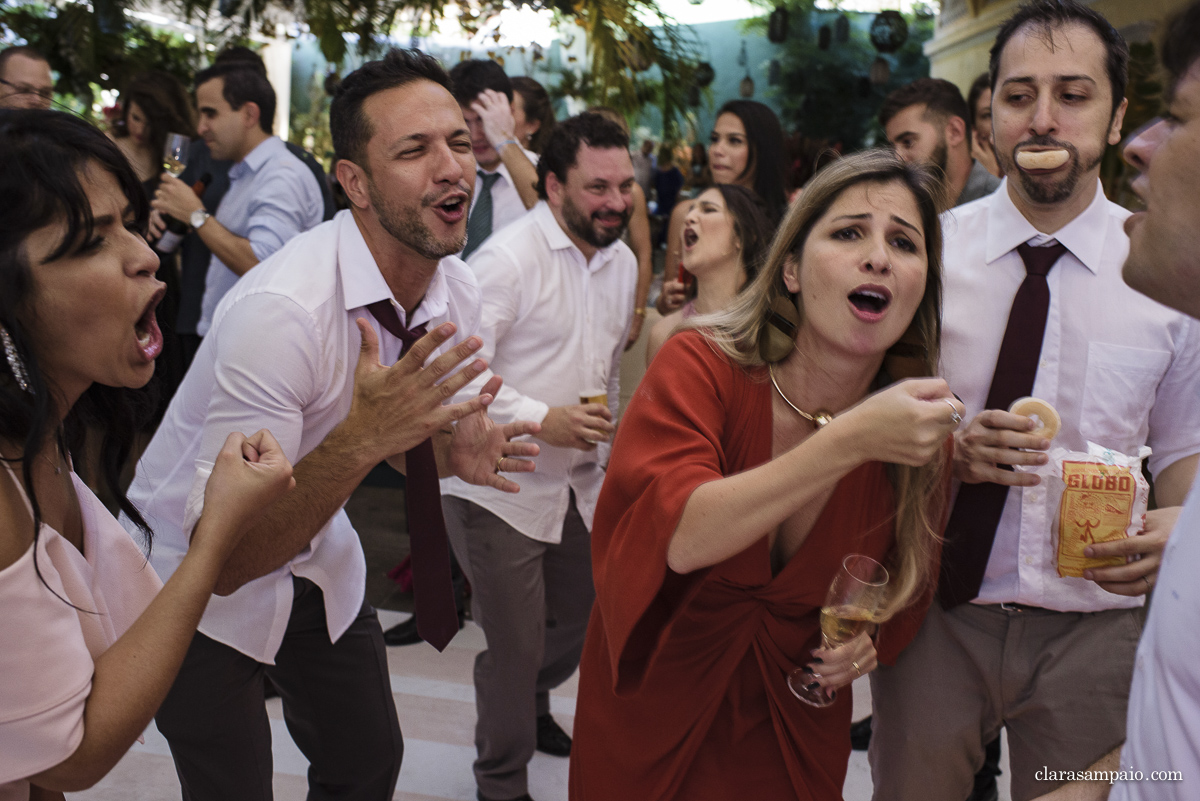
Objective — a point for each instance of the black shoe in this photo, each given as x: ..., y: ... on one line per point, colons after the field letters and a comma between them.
x: 406, y: 633
x: 479, y: 795
x: 551, y: 739
x: 860, y: 734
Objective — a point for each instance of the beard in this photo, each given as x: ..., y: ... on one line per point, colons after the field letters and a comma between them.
x: 1036, y: 187
x: 585, y: 227
x: 404, y: 224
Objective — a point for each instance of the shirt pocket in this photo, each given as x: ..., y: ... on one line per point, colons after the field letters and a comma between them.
x: 1118, y: 393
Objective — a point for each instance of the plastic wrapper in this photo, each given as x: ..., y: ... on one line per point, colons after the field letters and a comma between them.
x: 1101, y: 496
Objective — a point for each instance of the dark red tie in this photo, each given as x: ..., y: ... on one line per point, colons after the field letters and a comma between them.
x: 433, y: 593
x: 976, y: 514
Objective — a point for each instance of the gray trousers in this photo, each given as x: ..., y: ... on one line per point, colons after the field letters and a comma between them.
x: 532, y: 599
x: 337, y: 704
x: 1058, y: 682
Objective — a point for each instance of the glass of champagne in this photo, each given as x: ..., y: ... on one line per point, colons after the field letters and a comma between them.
x: 854, y: 598
x: 175, y: 153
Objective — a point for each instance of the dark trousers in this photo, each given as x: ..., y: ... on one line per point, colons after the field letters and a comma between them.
x: 337, y: 704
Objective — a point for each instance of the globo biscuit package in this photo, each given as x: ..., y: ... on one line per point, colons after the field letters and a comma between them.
x: 1101, y: 496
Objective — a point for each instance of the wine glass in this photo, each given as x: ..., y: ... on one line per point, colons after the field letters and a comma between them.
x: 175, y: 153
x: 854, y: 598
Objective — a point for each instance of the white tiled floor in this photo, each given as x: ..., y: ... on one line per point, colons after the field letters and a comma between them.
x: 436, y: 702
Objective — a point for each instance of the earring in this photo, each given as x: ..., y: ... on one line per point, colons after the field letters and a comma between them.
x: 14, y: 360
x: 778, y: 334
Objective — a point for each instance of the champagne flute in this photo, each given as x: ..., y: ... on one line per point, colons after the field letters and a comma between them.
x: 854, y: 598
x: 175, y: 153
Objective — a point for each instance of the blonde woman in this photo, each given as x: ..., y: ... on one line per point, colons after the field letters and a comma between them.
x: 765, y: 444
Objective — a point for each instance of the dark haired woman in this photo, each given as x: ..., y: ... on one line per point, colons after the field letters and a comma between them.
x: 532, y: 113
x: 732, y: 497
x: 153, y: 105
x: 725, y: 237
x: 91, y: 640
x: 746, y: 148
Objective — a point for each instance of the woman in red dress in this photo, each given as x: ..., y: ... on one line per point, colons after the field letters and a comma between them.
x: 729, y: 505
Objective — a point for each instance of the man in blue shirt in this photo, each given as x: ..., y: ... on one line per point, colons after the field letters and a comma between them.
x: 273, y: 195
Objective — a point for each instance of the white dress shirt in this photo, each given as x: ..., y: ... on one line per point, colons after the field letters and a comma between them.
x: 554, y: 325
x: 1163, y: 729
x: 272, y: 197
x: 1122, y: 370
x: 507, y: 206
x: 281, y: 355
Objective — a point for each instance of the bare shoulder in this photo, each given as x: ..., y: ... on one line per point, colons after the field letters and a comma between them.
x: 660, y: 332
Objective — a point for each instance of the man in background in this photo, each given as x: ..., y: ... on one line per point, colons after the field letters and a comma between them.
x: 926, y: 122
x: 25, y: 79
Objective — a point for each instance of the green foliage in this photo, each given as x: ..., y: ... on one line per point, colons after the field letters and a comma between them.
x: 102, y: 49
x: 827, y: 95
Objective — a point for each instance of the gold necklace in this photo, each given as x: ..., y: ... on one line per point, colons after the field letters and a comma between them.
x: 820, y: 418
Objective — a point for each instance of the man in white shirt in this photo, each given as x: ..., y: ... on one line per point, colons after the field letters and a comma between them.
x: 272, y: 197
x: 504, y: 187
x: 1010, y: 644
x: 557, y: 290
x: 1163, y: 730
x: 281, y: 355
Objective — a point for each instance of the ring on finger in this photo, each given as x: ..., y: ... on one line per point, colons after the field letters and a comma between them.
x: 1149, y: 586
x: 857, y: 669
x: 498, y: 468
x: 955, y: 417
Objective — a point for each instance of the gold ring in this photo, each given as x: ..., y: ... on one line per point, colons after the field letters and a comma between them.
x: 498, y: 461
x: 857, y: 669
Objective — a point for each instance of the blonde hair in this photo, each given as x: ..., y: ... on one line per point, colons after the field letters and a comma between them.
x: 741, y: 330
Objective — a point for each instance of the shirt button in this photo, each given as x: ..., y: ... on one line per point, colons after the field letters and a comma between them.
x: 1033, y: 496
x: 1029, y: 560
x: 1043, y: 364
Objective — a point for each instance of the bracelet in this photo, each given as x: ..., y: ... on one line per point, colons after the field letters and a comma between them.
x: 640, y: 311
x: 506, y: 143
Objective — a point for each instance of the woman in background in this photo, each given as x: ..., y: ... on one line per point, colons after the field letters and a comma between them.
x: 532, y: 112
x: 153, y: 105
x: 746, y: 148
x: 725, y: 237
x: 91, y: 639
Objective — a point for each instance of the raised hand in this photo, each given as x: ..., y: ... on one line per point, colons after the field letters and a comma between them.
x: 495, y: 113
x: 480, y: 450
x: 907, y: 423
x: 580, y: 426
x: 175, y: 198
x: 249, y: 474
x: 995, y: 438
x: 672, y: 296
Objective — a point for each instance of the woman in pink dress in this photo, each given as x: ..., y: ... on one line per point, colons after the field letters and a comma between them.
x: 90, y: 641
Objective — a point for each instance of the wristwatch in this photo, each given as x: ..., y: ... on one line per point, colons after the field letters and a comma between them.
x: 199, y: 218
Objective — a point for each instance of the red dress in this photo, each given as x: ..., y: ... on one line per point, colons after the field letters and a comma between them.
x: 682, y: 691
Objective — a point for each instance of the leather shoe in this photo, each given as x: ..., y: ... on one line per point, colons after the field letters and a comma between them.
x: 551, y: 739
x: 406, y: 633
x: 479, y: 795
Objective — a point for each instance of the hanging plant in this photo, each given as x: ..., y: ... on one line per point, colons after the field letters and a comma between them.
x: 824, y: 37
x: 693, y: 95
x: 774, y: 72
x: 889, y: 31
x: 881, y: 71
x: 746, y: 87
x: 841, y: 29
x: 777, y: 25
x: 704, y: 74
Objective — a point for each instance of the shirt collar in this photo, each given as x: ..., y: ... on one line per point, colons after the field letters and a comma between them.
x: 1084, y: 236
x: 263, y: 151
x: 557, y: 238
x: 363, y: 284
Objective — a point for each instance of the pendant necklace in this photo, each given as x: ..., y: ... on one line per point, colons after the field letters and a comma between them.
x: 819, y: 418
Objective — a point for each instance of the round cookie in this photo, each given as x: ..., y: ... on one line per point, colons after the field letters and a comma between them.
x: 1042, y: 413
x: 1042, y: 159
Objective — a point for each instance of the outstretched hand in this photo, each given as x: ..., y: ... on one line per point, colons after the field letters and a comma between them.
x: 908, y: 422
x: 480, y: 450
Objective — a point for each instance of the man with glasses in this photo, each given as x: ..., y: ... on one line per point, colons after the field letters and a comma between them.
x: 25, y: 79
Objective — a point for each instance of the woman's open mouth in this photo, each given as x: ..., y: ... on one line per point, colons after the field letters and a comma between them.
x: 149, y: 336
x: 870, y: 302
x: 689, y: 238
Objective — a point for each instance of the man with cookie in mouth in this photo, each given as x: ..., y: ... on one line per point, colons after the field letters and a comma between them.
x: 1035, y: 306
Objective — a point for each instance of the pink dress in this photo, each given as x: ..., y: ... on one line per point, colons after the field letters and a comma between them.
x: 47, y: 647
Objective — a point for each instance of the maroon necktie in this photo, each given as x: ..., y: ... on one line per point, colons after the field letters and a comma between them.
x: 976, y: 514
x: 433, y: 593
